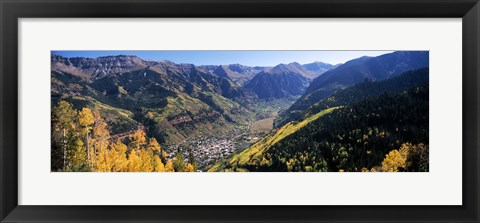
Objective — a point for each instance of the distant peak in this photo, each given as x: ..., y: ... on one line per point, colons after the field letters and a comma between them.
x: 166, y: 61
x: 281, y: 68
x: 320, y: 62
x: 359, y: 60
x: 120, y: 55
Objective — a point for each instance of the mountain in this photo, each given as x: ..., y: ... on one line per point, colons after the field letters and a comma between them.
x: 237, y: 73
x: 279, y: 81
x: 178, y: 99
x: 95, y: 68
x: 348, y: 117
x: 310, y: 70
x: 355, y: 71
x: 183, y: 100
x: 241, y: 74
x: 351, y: 130
x: 374, y: 68
x: 317, y: 68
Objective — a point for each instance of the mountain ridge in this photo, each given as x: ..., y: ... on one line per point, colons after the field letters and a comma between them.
x: 355, y: 71
x: 287, y: 147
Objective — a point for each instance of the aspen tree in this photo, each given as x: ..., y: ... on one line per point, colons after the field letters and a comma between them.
x: 100, y: 137
x: 138, y: 139
x: 85, y: 120
x: 146, y: 158
x: 119, y: 157
x: 169, y: 166
x: 134, y: 162
x: 159, y: 167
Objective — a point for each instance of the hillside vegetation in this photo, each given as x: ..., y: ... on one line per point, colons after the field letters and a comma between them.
x: 124, y: 113
x: 355, y: 71
x: 356, y: 130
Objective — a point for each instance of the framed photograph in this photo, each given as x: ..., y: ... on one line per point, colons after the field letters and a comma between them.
x: 229, y: 111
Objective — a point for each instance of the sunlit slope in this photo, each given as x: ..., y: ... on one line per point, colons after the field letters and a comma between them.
x: 355, y: 71
x: 119, y: 119
x: 370, y: 119
x: 252, y: 155
x: 172, y: 101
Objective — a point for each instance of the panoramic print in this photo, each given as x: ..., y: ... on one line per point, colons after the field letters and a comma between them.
x: 239, y: 111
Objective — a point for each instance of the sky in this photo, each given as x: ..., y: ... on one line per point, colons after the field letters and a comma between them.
x: 219, y: 57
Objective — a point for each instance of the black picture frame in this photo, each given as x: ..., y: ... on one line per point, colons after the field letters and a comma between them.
x: 12, y: 10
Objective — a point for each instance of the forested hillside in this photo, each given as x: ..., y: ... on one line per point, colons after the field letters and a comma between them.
x: 355, y: 71
x: 81, y: 142
x: 173, y: 101
x: 124, y: 113
x: 372, y: 126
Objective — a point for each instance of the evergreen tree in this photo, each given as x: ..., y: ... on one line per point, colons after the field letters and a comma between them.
x: 63, y: 126
x: 191, y: 161
x: 179, y: 164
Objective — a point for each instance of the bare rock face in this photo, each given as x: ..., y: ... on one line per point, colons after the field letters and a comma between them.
x: 94, y: 68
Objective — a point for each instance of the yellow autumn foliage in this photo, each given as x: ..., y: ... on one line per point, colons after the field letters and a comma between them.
x: 146, y: 159
x: 119, y: 158
x: 169, y: 166
x: 91, y: 147
x: 159, y: 167
x: 190, y: 168
x: 134, y: 162
x: 396, y: 160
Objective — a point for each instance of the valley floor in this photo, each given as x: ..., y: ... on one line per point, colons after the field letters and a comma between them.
x: 209, y: 150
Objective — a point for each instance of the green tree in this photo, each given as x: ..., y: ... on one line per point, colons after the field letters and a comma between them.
x: 79, y: 158
x: 191, y: 162
x: 179, y: 164
x: 417, y: 158
x: 63, y: 126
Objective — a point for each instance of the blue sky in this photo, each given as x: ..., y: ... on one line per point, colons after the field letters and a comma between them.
x: 219, y: 57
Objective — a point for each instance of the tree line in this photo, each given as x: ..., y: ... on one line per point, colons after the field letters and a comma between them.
x: 381, y: 126
x: 81, y: 142
x: 383, y: 133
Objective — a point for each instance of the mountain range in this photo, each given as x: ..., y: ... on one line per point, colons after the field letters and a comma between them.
x: 351, y: 130
x: 174, y: 101
x: 355, y: 71
x: 92, y: 69
x: 178, y: 101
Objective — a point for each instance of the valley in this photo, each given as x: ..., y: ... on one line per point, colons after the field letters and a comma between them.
x: 208, y: 150
x: 124, y: 113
